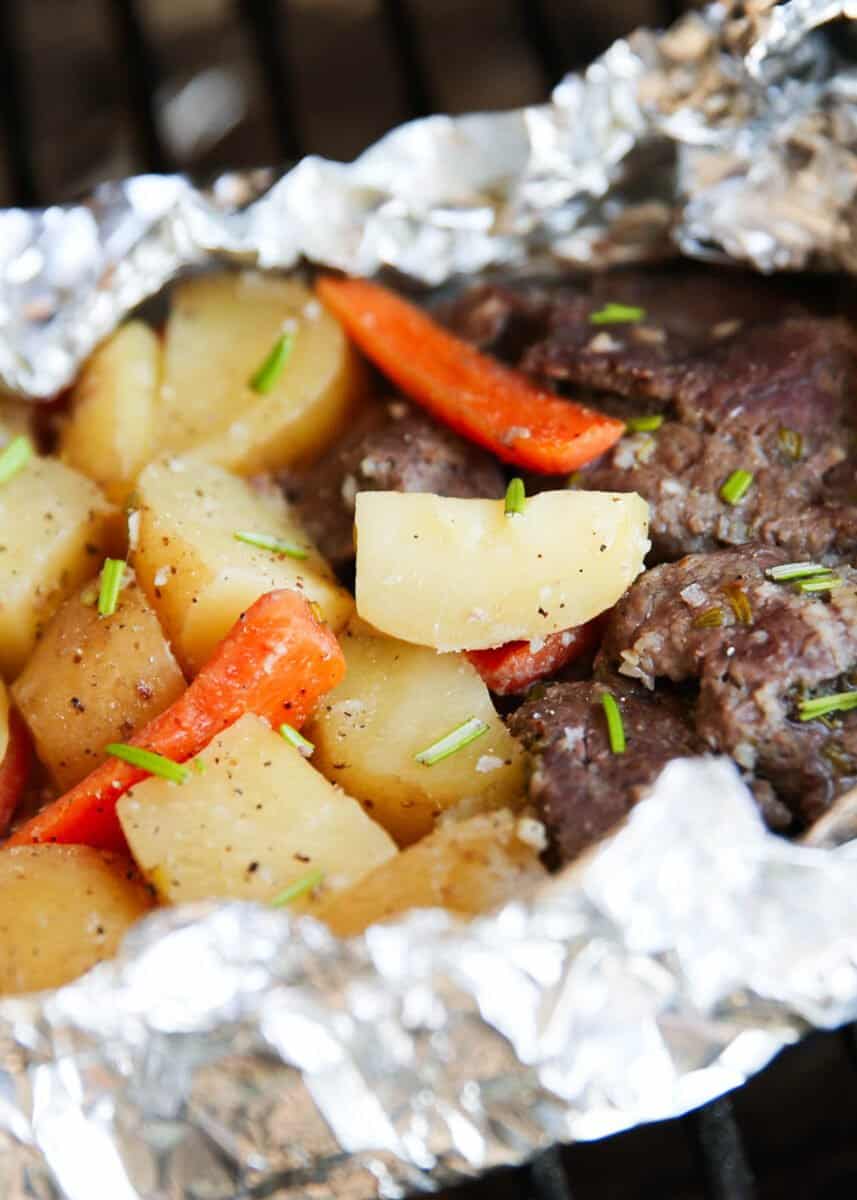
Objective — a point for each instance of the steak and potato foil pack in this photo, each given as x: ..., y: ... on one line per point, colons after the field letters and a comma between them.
x: 233, y: 1051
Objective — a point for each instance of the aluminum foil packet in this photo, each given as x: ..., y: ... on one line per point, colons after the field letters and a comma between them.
x: 232, y: 1052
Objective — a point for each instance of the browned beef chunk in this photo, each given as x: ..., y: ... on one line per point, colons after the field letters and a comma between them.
x: 774, y: 645
x: 745, y: 376
x: 393, y: 447
x: 579, y: 787
x: 680, y: 470
x: 499, y: 320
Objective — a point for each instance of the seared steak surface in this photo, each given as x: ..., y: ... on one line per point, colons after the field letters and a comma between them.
x: 579, y: 787
x: 744, y: 377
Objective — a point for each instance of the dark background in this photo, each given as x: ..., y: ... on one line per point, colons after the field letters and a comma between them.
x: 98, y: 89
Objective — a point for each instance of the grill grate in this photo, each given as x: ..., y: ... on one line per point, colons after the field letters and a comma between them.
x: 702, y: 1156
x: 265, y: 28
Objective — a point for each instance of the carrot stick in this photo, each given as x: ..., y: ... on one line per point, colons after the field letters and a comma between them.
x: 14, y: 769
x: 511, y: 669
x: 276, y: 661
x: 471, y: 393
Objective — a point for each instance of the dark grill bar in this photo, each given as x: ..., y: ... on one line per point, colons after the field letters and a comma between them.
x: 143, y: 79
x: 791, y: 1132
x: 267, y: 25
x: 17, y: 132
x: 404, y: 40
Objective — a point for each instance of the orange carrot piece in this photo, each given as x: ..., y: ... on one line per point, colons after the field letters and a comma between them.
x: 276, y: 661
x: 511, y: 669
x: 14, y: 769
x: 473, y: 394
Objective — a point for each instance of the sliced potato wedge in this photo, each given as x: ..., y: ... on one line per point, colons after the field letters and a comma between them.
x: 93, y: 680
x: 395, y: 701
x: 109, y: 435
x: 256, y: 820
x: 55, y: 526
x: 462, y: 575
x: 198, y: 576
x: 469, y: 868
x: 220, y: 331
x: 62, y: 910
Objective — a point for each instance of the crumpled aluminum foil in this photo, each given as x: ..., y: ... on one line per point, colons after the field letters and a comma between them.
x: 232, y: 1053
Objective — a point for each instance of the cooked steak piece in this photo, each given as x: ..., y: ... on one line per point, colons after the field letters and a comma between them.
x: 680, y: 470
x: 392, y: 447
x: 579, y: 787
x: 499, y: 320
x: 755, y: 648
x: 745, y: 377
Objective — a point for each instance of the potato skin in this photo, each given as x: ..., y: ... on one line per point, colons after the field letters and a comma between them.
x: 62, y: 910
x: 198, y: 577
x: 110, y: 433
x: 55, y: 527
x: 254, y: 822
x: 221, y: 328
x: 93, y: 680
x: 396, y: 700
x: 460, y: 574
x: 467, y: 867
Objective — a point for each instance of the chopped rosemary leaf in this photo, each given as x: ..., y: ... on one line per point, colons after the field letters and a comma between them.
x: 306, y: 883
x: 148, y: 760
x: 786, y: 572
x: 739, y: 602
x: 14, y: 457
x: 736, y: 486
x: 821, y: 583
x: 264, y: 541
x: 711, y: 618
x: 644, y: 424
x: 465, y: 733
x: 791, y: 443
x: 617, y: 314
x: 272, y: 368
x: 289, y: 734
x: 112, y: 574
x: 615, y: 728
x: 811, y: 710
x: 516, y: 497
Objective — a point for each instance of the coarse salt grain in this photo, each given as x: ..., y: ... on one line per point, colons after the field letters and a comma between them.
x: 134, y: 529
x: 488, y: 762
x: 532, y: 833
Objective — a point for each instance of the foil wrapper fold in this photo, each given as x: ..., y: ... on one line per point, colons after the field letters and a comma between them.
x: 231, y: 1052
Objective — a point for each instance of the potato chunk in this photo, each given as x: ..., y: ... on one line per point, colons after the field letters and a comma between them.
x: 257, y: 820
x: 461, y: 575
x: 470, y: 867
x: 54, y: 527
x: 396, y: 700
x: 197, y: 575
x: 93, y: 680
x: 62, y: 910
x: 109, y: 435
x: 220, y: 331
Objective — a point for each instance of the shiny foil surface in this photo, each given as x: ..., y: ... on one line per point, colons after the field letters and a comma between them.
x: 231, y: 1052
